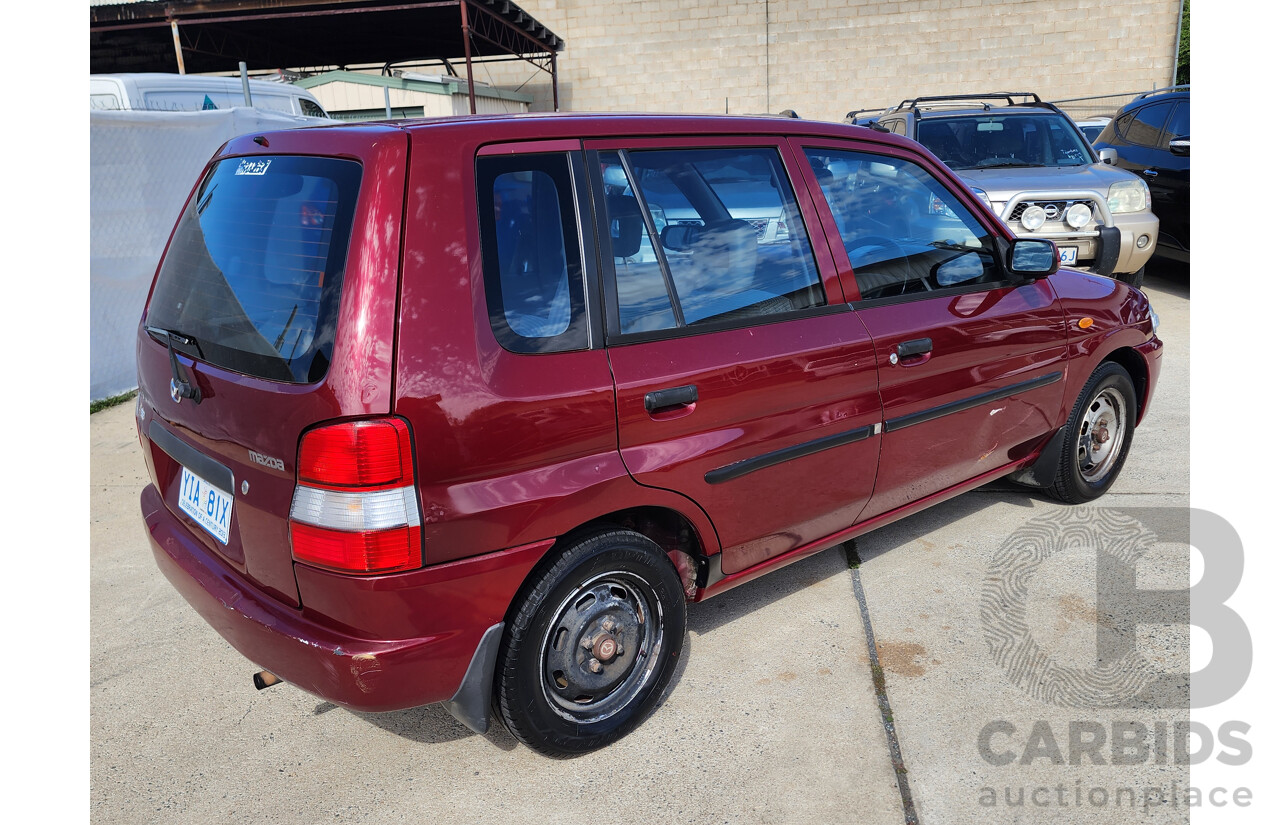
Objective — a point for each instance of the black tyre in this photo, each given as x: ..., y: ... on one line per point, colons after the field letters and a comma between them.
x: 1133, y: 279
x: 1098, y: 436
x: 593, y: 642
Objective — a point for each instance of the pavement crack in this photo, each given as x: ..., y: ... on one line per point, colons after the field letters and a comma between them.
x: 882, y: 694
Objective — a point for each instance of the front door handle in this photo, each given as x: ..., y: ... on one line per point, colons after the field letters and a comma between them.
x: 919, y: 346
x: 660, y: 400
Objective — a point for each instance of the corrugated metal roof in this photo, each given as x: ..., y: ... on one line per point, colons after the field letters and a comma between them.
x: 298, y: 34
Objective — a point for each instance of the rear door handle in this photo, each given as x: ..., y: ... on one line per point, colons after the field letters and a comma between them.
x: 659, y: 400
x: 918, y: 346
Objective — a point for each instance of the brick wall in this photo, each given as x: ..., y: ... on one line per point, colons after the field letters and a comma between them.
x: 825, y: 57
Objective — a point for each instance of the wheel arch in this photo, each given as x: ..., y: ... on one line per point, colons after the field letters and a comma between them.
x: 1136, y: 367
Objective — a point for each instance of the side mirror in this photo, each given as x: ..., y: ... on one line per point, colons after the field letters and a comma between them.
x: 1033, y: 258
x: 1108, y: 156
x: 1181, y: 146
x: 679, y: 237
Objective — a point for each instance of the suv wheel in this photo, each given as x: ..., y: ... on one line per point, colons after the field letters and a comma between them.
x: 592, y: 645
x: 1098, y: 436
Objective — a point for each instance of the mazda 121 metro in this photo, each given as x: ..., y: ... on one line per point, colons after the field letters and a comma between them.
x: 468, y: 410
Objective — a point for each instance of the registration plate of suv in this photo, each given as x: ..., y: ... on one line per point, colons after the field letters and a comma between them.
x: 1067, y: 254
x: 209, y: 506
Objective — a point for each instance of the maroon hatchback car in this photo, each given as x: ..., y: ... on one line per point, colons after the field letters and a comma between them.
x: 467, y: 410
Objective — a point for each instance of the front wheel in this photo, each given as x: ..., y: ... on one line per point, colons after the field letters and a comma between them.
x: 1098, y: 436
x: 593, y: 643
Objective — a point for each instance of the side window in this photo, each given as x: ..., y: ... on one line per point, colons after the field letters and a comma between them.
x: 532, y: 260
x: 311, y: 108
x: 705, y: 236
x: 1180, y: 124
x: 1147, y: 124
x: 904, y: 231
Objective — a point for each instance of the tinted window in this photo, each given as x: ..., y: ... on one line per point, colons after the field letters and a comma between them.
x: 729, y: 240
x: 532, y: 260
x: 255, y: 268
x: 904, y: 231
x: 310, y: 108
x: 1147, y: 123
x: 1180, y: 124
x: 995, y: 140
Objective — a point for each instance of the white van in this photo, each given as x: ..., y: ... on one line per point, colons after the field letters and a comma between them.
x: 192, y: 93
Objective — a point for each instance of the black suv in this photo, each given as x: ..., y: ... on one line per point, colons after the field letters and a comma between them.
x: 1151, y: 136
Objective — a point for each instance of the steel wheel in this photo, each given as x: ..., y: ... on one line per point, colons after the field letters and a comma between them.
x: 1099, y: 432
x: 596, y: 653
x: 595, y: 637
x: 1102, y: 435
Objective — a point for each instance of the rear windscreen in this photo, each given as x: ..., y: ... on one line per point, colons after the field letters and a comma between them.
x: 254, y: 272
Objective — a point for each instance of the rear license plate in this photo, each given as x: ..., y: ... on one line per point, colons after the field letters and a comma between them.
x: 209, y: 506
x: 1066, y: 254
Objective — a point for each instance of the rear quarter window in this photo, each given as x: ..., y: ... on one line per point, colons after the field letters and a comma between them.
x: 255, y: 268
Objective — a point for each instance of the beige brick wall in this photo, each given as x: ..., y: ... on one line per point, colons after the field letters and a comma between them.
x: 825, y: 57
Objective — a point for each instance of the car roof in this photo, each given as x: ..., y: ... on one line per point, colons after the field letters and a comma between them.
x: 482, y: 129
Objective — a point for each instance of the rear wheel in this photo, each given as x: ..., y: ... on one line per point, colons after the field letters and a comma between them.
x: 1098, y: 436
x: 593, y: 643
x: 1133, y: 279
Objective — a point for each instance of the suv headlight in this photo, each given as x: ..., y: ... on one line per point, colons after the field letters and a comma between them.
x: 982, y: 196
x: 1128, y: 196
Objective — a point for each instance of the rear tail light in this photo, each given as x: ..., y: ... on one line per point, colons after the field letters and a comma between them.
x: 355, y: 509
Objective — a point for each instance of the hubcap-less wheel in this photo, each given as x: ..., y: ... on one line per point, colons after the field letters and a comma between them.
x: 1102, y: 435
x: 1095, y: 441
x: 594, y: 639
x: 596, y: 654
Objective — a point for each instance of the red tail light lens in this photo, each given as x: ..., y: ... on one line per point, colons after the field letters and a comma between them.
x: 355, y: 509
x: 384, y: 551
x: 358, y: 454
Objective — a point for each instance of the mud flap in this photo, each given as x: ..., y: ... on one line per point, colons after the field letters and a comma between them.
x: 470, y: 704
x: 1041, y: 473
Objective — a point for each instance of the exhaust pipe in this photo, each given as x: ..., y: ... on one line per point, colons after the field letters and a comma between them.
x: 265, y: 679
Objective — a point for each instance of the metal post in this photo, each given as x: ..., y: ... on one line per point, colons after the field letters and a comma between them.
x: 555, y: 85
x: 244, y: 83
x: 466, y: 44
x: 386, y: 97
x: 177, y: 47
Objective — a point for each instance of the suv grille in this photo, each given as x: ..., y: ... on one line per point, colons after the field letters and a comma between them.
x: 1056, y: 210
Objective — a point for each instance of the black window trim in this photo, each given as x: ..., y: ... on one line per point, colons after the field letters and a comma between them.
x: 607, y: 275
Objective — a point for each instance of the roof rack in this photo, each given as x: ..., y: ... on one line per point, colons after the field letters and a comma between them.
x: 852, y: 116
x: 1008, y: 97
x: 1179, y: 88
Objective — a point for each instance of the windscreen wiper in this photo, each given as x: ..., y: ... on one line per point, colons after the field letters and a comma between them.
x: 179, y: 386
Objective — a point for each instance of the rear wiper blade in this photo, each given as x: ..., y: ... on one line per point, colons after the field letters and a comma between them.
x: 165, y: 335
x: 179, y: 386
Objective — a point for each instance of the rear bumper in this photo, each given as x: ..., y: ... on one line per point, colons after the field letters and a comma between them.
x: 448, y: 607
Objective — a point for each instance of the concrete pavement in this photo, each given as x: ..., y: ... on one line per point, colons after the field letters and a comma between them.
x: 772, y: 717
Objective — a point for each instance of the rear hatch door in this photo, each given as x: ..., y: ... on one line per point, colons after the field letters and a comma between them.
x: 275, y: 302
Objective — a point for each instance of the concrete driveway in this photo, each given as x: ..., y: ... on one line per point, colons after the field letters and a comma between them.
x: 777, y: 714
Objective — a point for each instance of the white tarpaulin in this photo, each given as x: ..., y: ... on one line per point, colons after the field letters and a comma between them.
x: 142, y: 167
